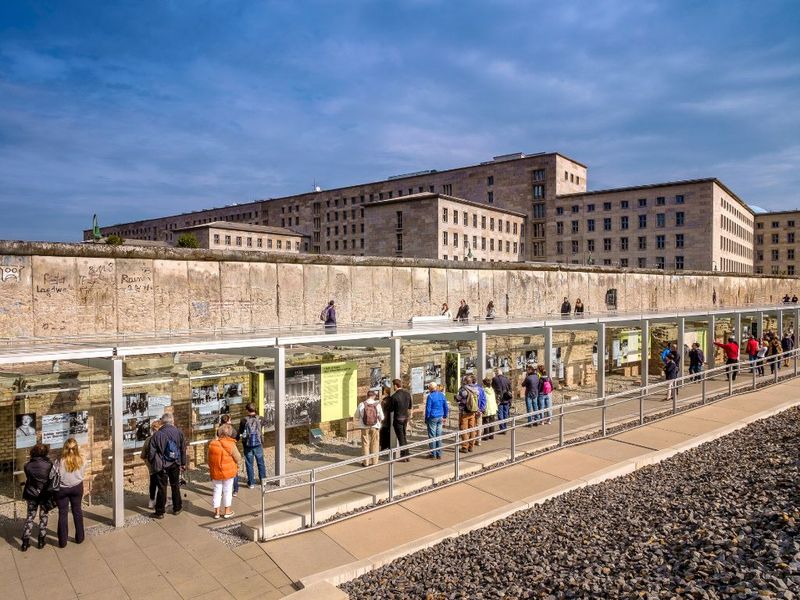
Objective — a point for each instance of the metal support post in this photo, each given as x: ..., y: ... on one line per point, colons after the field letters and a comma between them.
x: 682, y: 356
x: 561, y: 426
x: 675, y: 398
x: 760, y: 325
x: 779, y: 332
x: 755, y: 369
x: 703, y: 388
x: 456, y: 465
x: 603, y: 423
x: 481, y: 361
x: 730, y: 380
x: 391, y: 472
x: 263, y: 513
x: 601, y: 360
x: 313, y: 499
x: 641, y: 406
x: 513, y: 441
x: 394, y: 358
x: 278, y: 354
x: 645, y: 351
x: 737, y: 327
x: 117, y: 480
x: 710, y: 347
x: 548, y: 352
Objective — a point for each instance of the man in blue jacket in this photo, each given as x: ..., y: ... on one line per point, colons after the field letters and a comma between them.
x: 436, y: 411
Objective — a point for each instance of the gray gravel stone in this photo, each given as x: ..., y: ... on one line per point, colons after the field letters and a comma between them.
x: 719, y: 521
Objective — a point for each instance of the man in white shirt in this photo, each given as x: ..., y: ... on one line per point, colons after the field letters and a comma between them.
x: 368, y: 418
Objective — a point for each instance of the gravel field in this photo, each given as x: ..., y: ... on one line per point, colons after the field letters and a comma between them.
x: 719, y: 521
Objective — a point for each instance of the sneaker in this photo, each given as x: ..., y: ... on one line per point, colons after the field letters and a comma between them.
x: 157, y: 515
x: 217, y: 515
x: 151, y: 503
x: 227, y: 515
x: 177, y: 512
x: 252, y: 486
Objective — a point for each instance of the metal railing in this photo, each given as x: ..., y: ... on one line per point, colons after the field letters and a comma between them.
x: 673, y: 391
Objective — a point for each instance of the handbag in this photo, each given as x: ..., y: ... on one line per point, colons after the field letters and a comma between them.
x: 55, y: 478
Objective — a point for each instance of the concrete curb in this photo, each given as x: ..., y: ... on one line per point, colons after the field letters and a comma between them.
x: 347, y: 572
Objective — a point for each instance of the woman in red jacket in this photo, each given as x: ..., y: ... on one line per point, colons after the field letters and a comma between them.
x: 223, y: 465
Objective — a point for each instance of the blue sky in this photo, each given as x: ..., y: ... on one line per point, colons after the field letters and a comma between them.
x: 140, y: 109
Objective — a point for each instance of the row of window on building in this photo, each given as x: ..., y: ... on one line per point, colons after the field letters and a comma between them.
x: 572, y: 178
x: 731, y: 226
x: 623, y: 245
x: 775, y: 238
x: 623, y: 204
x: 344, y: 245
x: 775, y: 224
x: 776, y: 254
x: 465, y: 220
x: 734, y: 266
x: 776, y: 270
x: 731, y: 208
x: 624, y: 223
x: 660, y: 262
x: 448, y: 237
x: 734, y: 247
x: 259, y: 242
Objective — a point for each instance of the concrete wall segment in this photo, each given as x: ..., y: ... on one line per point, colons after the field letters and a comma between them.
x: 16, y: 299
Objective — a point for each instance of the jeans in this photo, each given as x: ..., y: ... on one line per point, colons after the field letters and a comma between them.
x: 502, y: 413
x: 752, y: 360
x: 434, y: 426
x: 70, y: 499
x: 171, y: 476
x: 488, y: 430
x: 546, y: 404
x: 695, y: 370
x: 257, y: 452
x: 532, y: 404
x: 733, y: 368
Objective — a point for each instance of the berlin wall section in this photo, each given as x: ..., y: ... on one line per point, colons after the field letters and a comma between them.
x: 63, y: 290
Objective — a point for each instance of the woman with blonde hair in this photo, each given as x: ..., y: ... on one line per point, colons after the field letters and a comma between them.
x: 70, y: 468
x: 223, y: 465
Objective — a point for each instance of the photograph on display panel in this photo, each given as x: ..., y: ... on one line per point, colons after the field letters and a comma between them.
x: 139, y: 411
x: 303, y: 396
x: 25, y: 431
x: 232, y: 393
x: 57, y: 428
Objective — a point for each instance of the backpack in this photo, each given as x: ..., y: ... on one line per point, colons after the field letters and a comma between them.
x: 547, y: 386
x: 323, y: 316
x: 252, y: 432
x: 370, y: 414
x: 471, y: 404
x: 171, y: 453
x: 664, y: 353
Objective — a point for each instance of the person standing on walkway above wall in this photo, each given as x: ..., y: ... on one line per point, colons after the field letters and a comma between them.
x: 566, y: 307
x: 445, y: 311
x: 436, y: 411
x: 696, y: 361
x: 368, y: 418
x: 328, y: 315
x: 463, y: 311
x: 502, y: 391
x: 468, y: 398
x: 578, y: 308
x: 69, y: 496
x: 491, y: 313
x: 752, y: 350
x: 168, y: 455
x: 251, y: 430
x: 731, y: 350
x: 530, y: 388
x: 401, y: 414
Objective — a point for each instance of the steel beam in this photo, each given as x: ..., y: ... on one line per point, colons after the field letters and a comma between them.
x: 481, y: 360
x: 117, y: 450
x: 710, y: 348
x: 645, y: 351
x: 601, y: 360
x: 548, y: 353
x: 684, y: 356
x: 278, y: 355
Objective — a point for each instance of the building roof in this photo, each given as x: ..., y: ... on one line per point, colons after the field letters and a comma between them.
x: 245, y: 227
x: 648, y: 186
x: 769, y: 213
x: 434, y: 195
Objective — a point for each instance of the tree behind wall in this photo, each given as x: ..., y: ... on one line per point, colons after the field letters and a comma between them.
x: 114, y: 240
x: 188, y: 240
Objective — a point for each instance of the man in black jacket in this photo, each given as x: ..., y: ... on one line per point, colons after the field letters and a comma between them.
x: 502, y: 392
x: 401, y: 409
x: 168, y: 457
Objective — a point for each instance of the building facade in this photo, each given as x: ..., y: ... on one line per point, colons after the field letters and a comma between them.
x: 776, y: 243
x: 696, y: 224
x: 431, y: 225
x: 221, y: 235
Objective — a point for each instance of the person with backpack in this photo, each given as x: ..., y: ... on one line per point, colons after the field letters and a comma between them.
x: 502, y: 391
x: 530, y: 387
x: 369, y: 418
x: 168, y: 456
x: 401, y: 414
x: 468, y: 399
x: 787, y: 345
x: 665, y: 353
x: 328, y: 316
x: 250, y: 432
x: 385, y: 433
x: 40, y: 484
x: 436, y: 411
x: 545, y: 395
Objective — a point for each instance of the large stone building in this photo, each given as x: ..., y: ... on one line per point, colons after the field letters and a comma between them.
x: 222, y: 235
x: 695, y: 224
x: 430, y: 225
x: 776, y: 243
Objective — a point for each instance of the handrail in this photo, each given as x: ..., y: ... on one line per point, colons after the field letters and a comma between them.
x: 310, y: 477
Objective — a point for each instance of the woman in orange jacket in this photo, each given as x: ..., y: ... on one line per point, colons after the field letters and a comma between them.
x: 223, y: 466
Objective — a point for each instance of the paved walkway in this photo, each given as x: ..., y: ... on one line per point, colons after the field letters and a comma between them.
x: 179, y: 558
